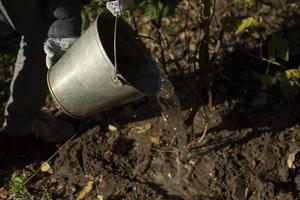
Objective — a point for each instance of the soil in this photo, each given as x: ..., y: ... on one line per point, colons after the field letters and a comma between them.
x: 245, y: 155
x: 230, y: 163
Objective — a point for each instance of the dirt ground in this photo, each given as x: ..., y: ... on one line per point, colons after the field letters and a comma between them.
x: 231, y: 163
x: 246, y: 154
x: 250, y: 151
x: 246, y: 147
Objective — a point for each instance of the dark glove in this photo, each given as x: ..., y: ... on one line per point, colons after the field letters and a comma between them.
x: 55, y: 48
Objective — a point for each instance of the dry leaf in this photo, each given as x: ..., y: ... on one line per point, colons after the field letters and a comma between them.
x: 142, y: 129
x: 290, y: 163
x: 291, y: 160
x: 155, y: 139
x: 112, y: 128
x: 45, y: 167
x: 85, y: 190
x: 100, y: 197
x: 3, y: 193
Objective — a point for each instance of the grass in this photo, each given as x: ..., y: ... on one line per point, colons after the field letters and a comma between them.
x: 45, y: 194
x: 17, y: 188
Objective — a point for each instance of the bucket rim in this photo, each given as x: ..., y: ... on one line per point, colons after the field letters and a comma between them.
x: 102, y: 49
x: 146, y: 53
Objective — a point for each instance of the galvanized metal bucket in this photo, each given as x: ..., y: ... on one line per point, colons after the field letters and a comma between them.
x: 85, y: 81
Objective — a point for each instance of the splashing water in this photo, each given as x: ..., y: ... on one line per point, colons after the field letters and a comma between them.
x: 169, y: 103
x: 171, y: 173
x: 171, y: 109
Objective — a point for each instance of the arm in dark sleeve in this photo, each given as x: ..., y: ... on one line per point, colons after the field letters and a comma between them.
x: 64, y: 18
x: 9, y: 38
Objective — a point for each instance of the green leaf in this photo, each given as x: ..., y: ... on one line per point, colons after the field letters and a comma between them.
x: 266, y: 80
x: 288, y: 86
x: 289, y: 91
x: 229, y: 23
x: 247, y: 23
x: 278, y: 47
x: 293, y: 73
x: 293, y: 77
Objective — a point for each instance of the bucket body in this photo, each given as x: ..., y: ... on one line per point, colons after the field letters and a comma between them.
x: 85, y: 81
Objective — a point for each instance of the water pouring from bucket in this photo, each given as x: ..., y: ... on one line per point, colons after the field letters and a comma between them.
x: 86, y: 81
x: 105, y: 68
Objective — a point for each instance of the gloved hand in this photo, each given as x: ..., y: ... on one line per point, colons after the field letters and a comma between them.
x: 118, y: 7
x: 55, y: 49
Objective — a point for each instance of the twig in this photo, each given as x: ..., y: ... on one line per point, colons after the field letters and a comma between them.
x: 146, y: 37
x: 164, y: 150
x: 198, y: 141
x: 168, y: 49
x: 261, y: 58
x: 213, y: 11
x: 204, y: 58
x: 53, y: 155
x: 134, y: 22
x: 204, y: 133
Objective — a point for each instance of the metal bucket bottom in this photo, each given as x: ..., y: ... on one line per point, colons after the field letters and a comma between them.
x: 134, y: 62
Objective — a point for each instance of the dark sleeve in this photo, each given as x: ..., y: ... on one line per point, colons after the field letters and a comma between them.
x: 63, y: 18
x: 9, y: 38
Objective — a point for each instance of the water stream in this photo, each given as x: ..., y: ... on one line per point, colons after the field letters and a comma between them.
x: 166, y: 97
x: 171, y: 173
x: 171, y: 109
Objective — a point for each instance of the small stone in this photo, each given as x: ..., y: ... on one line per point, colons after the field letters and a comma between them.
x: 192, y: 162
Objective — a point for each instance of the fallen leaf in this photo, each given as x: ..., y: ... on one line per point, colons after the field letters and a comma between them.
x: 85, y: 190
x: 101, y: 181
x: 3, y: 193
x: 290, y: 163
x: 45, y: 167
x: 291, y: 159
x: 112, y: 128
x: 142, y: 129
x: 155, y: 139
x: 100, y: 197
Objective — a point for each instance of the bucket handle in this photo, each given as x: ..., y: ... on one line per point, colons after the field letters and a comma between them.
x: 117, y: 78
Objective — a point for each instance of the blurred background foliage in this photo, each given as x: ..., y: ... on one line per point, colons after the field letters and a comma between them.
x: 181, y: 34
x: 6, y: 71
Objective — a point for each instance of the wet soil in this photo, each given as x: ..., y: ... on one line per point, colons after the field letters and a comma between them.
x: 246, y: 163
